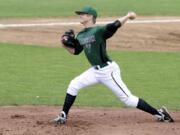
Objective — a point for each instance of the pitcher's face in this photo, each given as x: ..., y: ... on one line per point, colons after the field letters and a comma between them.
x: 85, y: 18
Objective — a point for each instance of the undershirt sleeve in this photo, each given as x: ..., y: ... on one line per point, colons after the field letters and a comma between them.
x: 111, y: 28
x: 78, y: 48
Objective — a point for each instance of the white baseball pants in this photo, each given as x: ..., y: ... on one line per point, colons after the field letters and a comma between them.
x: 109, y: 76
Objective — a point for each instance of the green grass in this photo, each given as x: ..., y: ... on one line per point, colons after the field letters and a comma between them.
x: 57, y: 8
x: 29, y: 71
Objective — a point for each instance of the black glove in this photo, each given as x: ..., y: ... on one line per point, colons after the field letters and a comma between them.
x: 68, y: 39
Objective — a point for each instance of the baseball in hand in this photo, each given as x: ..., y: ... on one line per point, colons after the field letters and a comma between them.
x: 132, y: 15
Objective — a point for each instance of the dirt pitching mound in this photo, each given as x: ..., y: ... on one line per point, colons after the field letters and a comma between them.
x: 36, y: 120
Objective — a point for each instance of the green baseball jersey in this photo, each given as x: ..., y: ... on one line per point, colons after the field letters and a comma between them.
x: 93, y: 42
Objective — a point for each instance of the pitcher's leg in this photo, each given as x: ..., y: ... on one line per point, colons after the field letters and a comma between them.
x: 85, y: 79
x: 120, y: 89
x: 122, y: 92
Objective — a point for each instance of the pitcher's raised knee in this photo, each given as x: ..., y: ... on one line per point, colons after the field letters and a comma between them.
x: 73, y: 88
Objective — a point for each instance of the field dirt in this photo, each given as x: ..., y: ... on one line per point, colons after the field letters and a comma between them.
x: 36, y: 120
x: 138, y: 37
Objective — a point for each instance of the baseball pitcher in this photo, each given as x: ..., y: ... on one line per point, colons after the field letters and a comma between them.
x: 92, y: 40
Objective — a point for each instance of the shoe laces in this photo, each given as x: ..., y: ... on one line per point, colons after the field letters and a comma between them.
x: 161, y: 117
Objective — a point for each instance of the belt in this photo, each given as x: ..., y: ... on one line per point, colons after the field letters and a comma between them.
x: 102, y: 65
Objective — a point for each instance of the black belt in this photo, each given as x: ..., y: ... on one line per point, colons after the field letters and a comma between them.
x: 102, y: 65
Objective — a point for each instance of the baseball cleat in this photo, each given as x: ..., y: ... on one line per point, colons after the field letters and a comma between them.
x: 165, y: 116
x: 61, y: 118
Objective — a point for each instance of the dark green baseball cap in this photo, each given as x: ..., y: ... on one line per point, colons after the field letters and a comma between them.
x: 87, y: 10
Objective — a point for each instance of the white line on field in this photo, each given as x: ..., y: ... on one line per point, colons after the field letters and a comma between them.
x: 77, y: 23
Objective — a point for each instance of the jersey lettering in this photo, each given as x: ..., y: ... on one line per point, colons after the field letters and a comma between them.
x: 87, y: 40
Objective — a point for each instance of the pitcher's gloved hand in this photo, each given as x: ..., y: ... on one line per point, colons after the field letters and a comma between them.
x: 68, y: 39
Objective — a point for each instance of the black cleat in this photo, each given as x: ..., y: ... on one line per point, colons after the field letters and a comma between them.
x: 165, y: 116
x: 61, y: 118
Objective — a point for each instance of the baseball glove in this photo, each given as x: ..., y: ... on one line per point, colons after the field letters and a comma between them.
x: 68, y: 39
